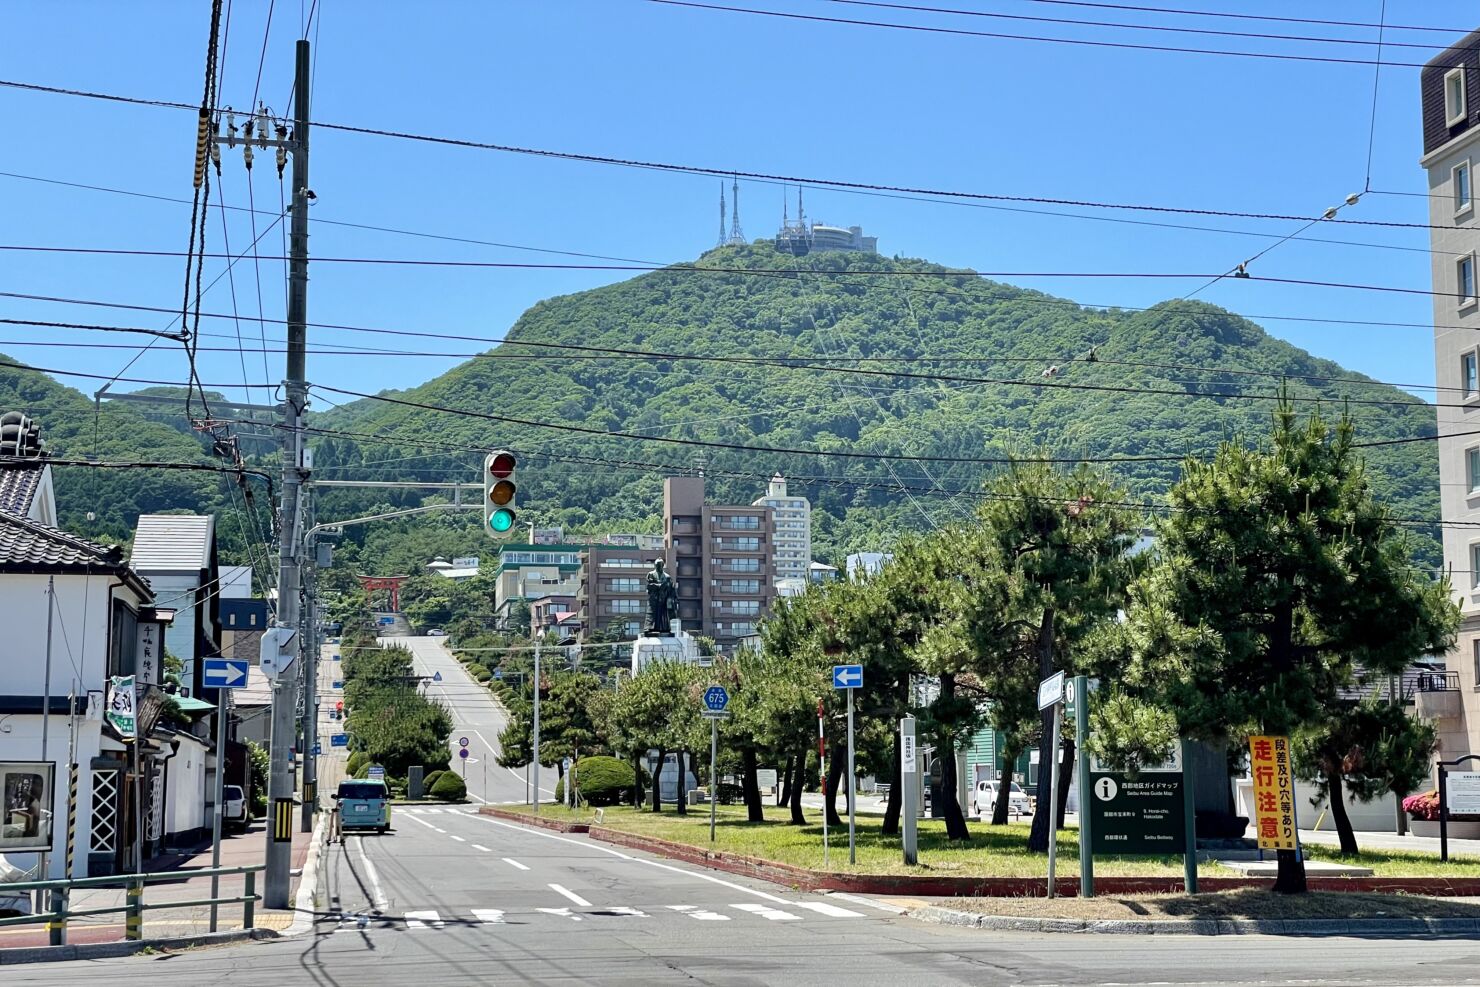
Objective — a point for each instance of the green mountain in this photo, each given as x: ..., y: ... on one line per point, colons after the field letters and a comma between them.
x: 1048, y: 377
x: 74, y: 428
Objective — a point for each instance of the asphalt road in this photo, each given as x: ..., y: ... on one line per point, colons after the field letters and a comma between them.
x: 450, y: 898
x: 476, y: 716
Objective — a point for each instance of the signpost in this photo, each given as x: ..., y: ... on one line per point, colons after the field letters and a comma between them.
x: 1079, y: 694
x: 462, y: 760
x: 462, y: 741
x: 1051, y: 696
x: 224, y: 674
x: 1138, y: 813
x: 339, y: 740
x: 1274, y: 793
x: 850, y: 677
x: 1459, y: 791
x: 822, y: 776
x: 910, y: 794
x: 376, y: 773
x: 716, y: 699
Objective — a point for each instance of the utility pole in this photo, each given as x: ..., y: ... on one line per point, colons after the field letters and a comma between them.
x: 290, y: 545
x: 308, y: 635
x: 535, y: 760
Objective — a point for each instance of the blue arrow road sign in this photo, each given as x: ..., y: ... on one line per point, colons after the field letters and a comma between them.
x: 339, y: 740
x: 847, y: 676
x: 716, y: 698
x: 225, y: 673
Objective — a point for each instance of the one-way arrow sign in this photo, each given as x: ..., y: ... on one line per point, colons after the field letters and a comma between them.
x: 847, y: 676
x: 225, y: 673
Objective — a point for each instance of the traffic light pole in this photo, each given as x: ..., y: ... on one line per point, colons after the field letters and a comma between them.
x: 279, y: 855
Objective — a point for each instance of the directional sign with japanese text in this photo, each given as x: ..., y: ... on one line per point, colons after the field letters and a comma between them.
x: 224, y: 673
x: 1137, y: 814
x: 1274, y: 792
x: 847, y: 676
x: 1051, y: 690
x: 339, y: 740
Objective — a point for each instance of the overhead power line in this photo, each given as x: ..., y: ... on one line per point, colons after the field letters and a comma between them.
x: 730, y: 171
x: 1229, y: 15
x: 1003, y: 36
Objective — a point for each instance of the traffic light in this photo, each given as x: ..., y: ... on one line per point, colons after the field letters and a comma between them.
x: 498, y: 492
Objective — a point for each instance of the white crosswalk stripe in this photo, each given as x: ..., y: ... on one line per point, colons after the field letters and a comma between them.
x: 832, y: 911
x: 767, y: 912
x: 702, y: 914
x: 489, y: 916
x: 424, y: 919
x: 562, y: 912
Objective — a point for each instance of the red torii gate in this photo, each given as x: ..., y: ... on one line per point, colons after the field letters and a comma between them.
x: 391, y: 583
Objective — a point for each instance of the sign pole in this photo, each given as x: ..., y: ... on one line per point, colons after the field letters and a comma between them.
x: 713, y: 779
x: 822, y: 777
x: 222, y: 712
x: 1189, y: 820
x: 1443, y: 813
x: 909, y: 796
x: 1053, y: 799
x: 1081, y: 737
x: 852, y: 784
x: 535, y: 760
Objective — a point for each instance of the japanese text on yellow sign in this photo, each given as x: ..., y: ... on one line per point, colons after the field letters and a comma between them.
x: 1274, y: 792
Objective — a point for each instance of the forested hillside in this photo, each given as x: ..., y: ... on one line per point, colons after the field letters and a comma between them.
x: 957, y: 367
x: 1169, y: 381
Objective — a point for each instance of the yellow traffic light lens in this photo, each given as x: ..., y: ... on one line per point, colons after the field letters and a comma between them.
x: 502, y: 492
x: 502, y: 520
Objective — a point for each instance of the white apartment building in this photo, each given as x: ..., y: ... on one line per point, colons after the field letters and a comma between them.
x: 1450, y: 89
x: 791, y: 553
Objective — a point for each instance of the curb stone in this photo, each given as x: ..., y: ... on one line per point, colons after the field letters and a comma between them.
x: 1202, y: 926
x: 108, y: 950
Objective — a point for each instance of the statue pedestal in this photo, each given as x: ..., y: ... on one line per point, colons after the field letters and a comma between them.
x: 678, y: 646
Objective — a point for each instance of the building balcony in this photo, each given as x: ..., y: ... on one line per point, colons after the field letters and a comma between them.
x: 1436, y: 695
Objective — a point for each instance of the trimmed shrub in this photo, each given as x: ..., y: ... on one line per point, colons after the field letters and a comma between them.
x: 480, y: 672
x: 600, y: 780
x: 449, y: 788
x: 431, y: 779
x: 357, y: 760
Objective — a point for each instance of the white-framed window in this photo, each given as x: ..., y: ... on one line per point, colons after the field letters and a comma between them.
x: 1472, y: 469
x: 1475, y: 565
x: 1475, y: 649
x: 1464, y: 191
x: 1464, y: 273
x: 626, y: 606
x: 626, y: 585
x: 1469, y: 375
x: 1454, y: 96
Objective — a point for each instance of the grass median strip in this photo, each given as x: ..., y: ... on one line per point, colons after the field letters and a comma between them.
x: 992, y: 851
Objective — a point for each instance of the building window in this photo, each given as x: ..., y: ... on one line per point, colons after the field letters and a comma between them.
x: 1465, y: 280
x: 754, y: 585
x: 1454, y: 96
x: 1475, y: 565
x: 1463, y: 194
x: 626, y: 585
x: 626, y: 606
x: 1469, y: 375
x: 741, y: 522
x: 1472, y: 469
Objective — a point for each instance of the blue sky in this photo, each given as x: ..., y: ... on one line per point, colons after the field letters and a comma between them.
x: 633, y: 79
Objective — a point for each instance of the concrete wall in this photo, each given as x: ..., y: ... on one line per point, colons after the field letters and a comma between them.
x: 185, y: 789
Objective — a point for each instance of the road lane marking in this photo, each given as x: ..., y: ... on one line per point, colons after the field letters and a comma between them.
x: 832, y: 911
x: 640, y: 860
x: 767, y: 912
x: 429, y: 809
x: 422, y: 920
x: 702, y: 914
x: 562, y: 912
x: 458, y: 838
x: 514, y: 863
x: 568, y: 893
x: 860, y: 900
x: 489, y: 916
x: 423, y: 822
x: 377, y: 896
x: 479, y: 846
x: 623, y: 910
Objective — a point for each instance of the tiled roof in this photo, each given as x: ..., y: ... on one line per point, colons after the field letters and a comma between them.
x: 173, y: 542
x: 18, y: 485
x: 28, y: 546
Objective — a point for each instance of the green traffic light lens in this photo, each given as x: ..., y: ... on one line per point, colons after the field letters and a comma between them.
x: 501, y: 520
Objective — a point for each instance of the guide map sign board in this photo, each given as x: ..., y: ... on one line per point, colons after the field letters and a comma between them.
x: 1274, y: 792
x: 1140, y: 812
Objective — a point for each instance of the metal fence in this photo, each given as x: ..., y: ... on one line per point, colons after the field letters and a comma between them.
x: 134, y: 907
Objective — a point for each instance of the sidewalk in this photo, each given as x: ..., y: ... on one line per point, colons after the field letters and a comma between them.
x: 238, y: 850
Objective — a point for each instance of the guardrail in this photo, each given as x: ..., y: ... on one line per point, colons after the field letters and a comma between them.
x: 1436, y: 682
x: 134, y: 907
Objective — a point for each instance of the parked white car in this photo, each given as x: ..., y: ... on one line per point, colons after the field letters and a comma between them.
x: 985, y: 798
x: 233, y: 807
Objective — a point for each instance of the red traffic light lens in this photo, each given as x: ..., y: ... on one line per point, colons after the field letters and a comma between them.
x: 502, y: 464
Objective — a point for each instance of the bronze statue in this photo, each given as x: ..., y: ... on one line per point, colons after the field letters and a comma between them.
x: 662, y: 601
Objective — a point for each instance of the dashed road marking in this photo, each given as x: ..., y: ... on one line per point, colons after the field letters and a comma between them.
x: 832, y: 911
x: 562, y: 912
x: 514, y: 863
x: 458, y: 838
x: 479, y: 846
x: 702, y: 914
x: 767, y: 912
x: 568, y: 893
x: 422, y: 920
x: 489, y: 916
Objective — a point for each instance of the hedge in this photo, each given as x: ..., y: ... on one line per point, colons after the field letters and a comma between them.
x: 357, y: 760
x: 480, y: 672
x: 449, y: 787
x: 431, y: 779
x: 601, y: 780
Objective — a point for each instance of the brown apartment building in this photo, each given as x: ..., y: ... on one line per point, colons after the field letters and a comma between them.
x: 720, y: 557
x: 611, y: 597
